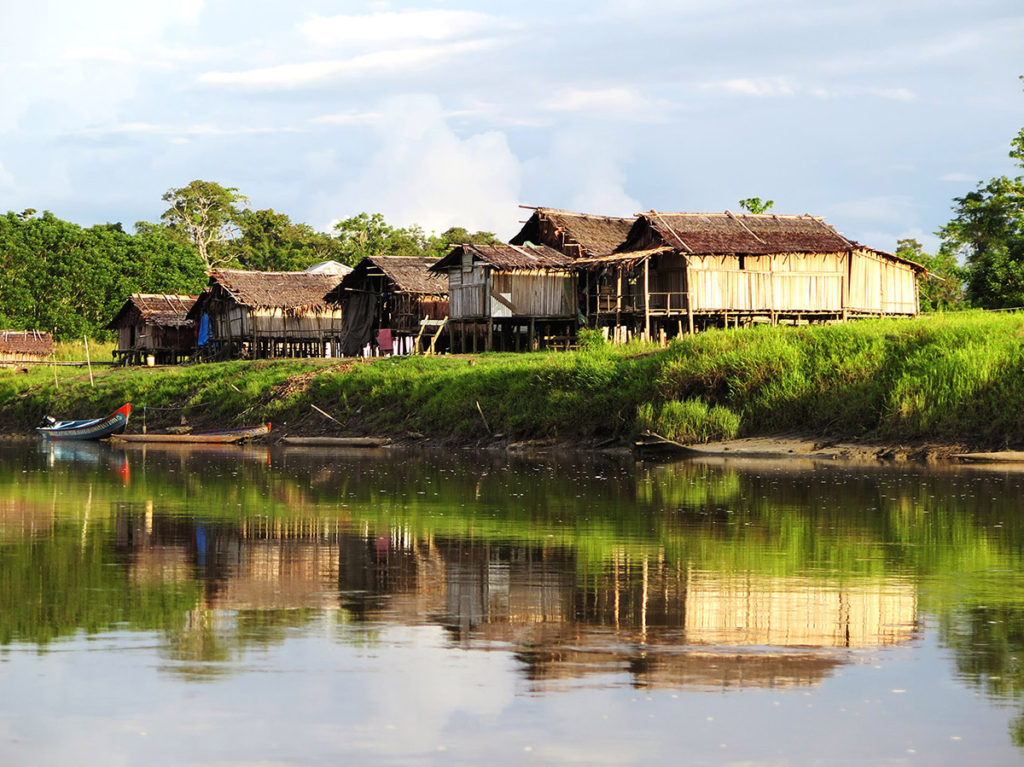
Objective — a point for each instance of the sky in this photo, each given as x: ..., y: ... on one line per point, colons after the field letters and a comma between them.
x: 872, y: 113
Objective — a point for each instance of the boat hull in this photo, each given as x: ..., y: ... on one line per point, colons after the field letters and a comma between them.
x: 92, y: 429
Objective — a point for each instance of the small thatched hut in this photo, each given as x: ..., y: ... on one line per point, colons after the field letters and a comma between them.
x: 153, y: 325
x: 24, y: 346
x: 385, y: 301
x: 266, y: 314
x: 679, y: 271
x: 509, y: 296
x: 576, y: 235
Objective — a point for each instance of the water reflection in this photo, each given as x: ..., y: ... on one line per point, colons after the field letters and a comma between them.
x: 595, y: 572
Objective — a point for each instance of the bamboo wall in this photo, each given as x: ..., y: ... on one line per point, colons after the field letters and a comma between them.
x: 241, y: 323
x: 479, y: 292
x: 824, y: 283
x: 880, y: 285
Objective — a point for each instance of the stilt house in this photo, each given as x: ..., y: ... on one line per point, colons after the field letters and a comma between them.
x: 392, y: 302
x: 509, y: 297
x: 576, y: 235
x: 678, y: 272
x: 266, y: 314
x: 24, y: 346
x: 153, y: 325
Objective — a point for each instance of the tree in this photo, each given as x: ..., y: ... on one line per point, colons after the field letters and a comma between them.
x: 370, y: 235
x: 207, y: 215
x: 944, y: 288
x: 756, y: 205
x: 987, y: 232
x: 270, y: 241
x: 440, y: 244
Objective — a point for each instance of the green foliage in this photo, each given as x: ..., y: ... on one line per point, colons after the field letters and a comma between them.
x: 987, y: 231
x: 688, y: 422
x: 271, y: 242
x: 756, y: 205
x: 63, y: 278
x: 207, y: 215
x: 370, y: 235
x: 943, y: 289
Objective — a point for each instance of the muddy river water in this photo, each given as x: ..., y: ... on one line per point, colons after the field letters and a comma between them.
x: 250, y: 605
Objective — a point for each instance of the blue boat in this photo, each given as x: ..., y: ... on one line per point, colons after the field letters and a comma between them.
x: 95, y: 428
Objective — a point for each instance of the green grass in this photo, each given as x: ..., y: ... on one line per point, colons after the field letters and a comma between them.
x: 953, y: 377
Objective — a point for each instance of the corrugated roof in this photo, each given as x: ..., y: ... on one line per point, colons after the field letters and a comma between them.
x: 25, y: 342
x: 410, y: 274
x: 163, y: 309
x: 507, y: 257
x: 562, y: 229
x: 282, y: 290
x: 714, y: 233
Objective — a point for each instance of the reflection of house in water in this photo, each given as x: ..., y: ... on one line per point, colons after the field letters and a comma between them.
x: 653, y: 622
x: 24, y: 519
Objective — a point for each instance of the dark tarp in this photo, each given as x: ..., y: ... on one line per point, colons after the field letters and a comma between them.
x: 357, y: 322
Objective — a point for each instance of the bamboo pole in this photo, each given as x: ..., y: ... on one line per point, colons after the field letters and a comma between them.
x: 88, y: 362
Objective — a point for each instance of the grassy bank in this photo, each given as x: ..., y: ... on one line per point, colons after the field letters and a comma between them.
x: 946, y: 378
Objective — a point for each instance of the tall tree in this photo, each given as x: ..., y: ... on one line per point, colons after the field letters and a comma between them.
x: 370, y: 235
x: 270, y: 241
x: 987, y: 232
x: 207, y: 215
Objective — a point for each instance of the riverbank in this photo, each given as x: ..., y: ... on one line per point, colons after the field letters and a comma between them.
x: 947, y: 381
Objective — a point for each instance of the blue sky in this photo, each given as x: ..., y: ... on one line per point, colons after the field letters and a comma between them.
x: 874, y: 114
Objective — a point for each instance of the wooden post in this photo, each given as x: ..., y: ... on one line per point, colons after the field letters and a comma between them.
x: 689, y: 298
x: 647, y: 299
x: 618, y: 296
x: 533, y: 328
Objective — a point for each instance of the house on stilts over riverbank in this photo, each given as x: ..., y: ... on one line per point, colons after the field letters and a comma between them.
x: 394, y: 304
x: 266, y: 314
x: 153, y: 325
x: 682, y: 272
x: 509, y: 297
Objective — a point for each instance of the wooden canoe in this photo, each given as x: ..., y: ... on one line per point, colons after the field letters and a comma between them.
x: 337, y: 441
x: 227, y: 436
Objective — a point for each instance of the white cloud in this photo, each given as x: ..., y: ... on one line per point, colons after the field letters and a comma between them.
x: 287, y: 76
x: 755, y: 86
x: 620, y: 103
x: 960, y: 178
x: 421, y: 172
x: 587, y: 171
x: 392, y: 27
x: 107, y: 53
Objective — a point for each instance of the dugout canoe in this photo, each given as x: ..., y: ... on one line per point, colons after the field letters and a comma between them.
x: 224, y: 437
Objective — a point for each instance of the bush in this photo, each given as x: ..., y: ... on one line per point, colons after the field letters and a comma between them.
x: 688, y: 421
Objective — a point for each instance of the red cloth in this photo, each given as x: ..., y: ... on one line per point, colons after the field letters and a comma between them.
x: 384, y: 341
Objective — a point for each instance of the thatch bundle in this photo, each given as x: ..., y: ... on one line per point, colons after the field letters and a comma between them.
x: 158, y: 309
x: 577, y: 235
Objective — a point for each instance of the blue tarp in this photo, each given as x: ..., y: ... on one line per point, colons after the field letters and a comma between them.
x: 204, y: 330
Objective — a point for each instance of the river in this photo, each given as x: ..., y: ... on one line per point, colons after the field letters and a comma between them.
x: 251, y: 605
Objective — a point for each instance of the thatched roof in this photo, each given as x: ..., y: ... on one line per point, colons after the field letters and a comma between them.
x: 407, y: 274
x: 161, y: 309
x: 28, y: 342
x: 271, y: 290
x: 727, y: 233
x: 509, y: 258
x: 574, y: 234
